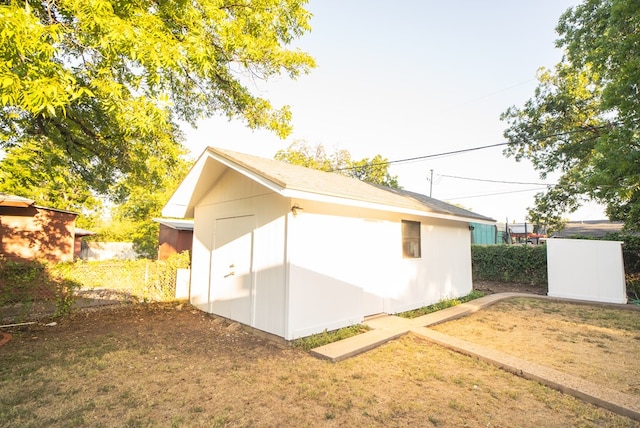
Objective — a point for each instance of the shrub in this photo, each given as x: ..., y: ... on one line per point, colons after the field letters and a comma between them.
x: 326, y: 337
x: 523, y: 264
x: 28, y: 282
x: 631, y: 257
x: 630, y: 250
x: 442, y: 304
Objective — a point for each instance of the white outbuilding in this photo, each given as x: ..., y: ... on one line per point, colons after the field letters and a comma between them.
x: 294, y: 251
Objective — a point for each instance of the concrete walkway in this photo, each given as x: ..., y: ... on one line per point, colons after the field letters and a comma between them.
x: 388, y: 327
x: 385, y: 328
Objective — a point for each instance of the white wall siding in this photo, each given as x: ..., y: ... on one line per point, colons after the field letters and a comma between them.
x: 345, y: 267
x: 269, y: 265
x: 237, y: 196
x: 201, y: 257
x: 443, y: 271
x: 325, y: 273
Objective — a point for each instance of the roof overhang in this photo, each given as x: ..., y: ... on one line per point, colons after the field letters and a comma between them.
x: 202, y: 177
x: 83, y: 232
x: 296, y: 194
x: 177, y: 224
x: 211, y: 165
x: 7, y: 200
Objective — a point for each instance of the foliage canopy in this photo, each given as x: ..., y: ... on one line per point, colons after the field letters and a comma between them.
x: 105, y: 81
x: 375, y: 170
x: 91, y: 93
x: 583, y: 120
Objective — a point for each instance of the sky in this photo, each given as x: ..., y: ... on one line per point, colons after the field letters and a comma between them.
x: 415, y: 78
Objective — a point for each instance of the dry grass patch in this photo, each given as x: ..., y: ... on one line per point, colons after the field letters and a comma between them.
x: 157, y: 365
x: 597, y: 343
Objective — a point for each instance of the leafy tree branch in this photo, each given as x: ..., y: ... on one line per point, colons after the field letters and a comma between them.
x: 583, y: 120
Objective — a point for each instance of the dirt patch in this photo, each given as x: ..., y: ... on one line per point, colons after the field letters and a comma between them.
x: 504, y: 287
x: 4, y: 338
x: 171, y: 365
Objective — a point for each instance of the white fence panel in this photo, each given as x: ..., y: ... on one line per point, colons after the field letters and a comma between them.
x: 183, y: 281
x: 95, y: 251
x: 586, y: 270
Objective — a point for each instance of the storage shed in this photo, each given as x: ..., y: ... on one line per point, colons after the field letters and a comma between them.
x: 294, y: 251
x: 175, y: 236
x: 29, y: 231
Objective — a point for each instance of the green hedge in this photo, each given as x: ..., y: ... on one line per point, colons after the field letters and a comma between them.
x: 522, y: 264
x: 631, y: 256
x: 630, y: 251
x: 528, y: 264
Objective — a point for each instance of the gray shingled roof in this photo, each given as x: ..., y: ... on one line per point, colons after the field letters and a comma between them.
x: 297, y: 178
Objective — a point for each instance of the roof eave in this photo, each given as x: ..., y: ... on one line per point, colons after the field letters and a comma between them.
x: 183, y: 201
x: 298, y: 194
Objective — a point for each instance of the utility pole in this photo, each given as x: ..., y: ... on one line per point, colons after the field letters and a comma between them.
x: 431, y: 184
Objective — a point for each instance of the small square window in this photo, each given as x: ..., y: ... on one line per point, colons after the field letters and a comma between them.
x: 411, y: 239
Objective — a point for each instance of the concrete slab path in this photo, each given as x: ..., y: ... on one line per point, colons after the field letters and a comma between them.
x: 385, y: 328
x: 388, y: 327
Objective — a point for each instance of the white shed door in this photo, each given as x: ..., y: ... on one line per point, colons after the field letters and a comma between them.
x: 231, y: 287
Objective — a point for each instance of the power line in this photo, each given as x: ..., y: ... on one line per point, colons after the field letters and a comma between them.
x: 490, y: 194
x: 454, y: 152
x: 471, y: 149
x: 495, y: 181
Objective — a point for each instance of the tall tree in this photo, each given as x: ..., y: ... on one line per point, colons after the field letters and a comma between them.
x: 375, y: 170
x: 143, y: 199
x: 583, y: 120
x: 41, y: 171
x: 105, y: 80
x: 44, y: 173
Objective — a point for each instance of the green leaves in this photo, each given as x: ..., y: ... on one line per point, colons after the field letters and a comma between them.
x: 90, y: 94
x: 106, y: 80
x: 523, y: 264
x: 583, y: 119
x: 375, y: 170
x: 31, y: 76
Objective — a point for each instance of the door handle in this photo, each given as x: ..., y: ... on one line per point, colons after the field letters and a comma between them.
x: 229, y: 274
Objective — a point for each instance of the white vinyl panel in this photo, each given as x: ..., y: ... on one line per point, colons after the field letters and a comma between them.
x: 586, y: 270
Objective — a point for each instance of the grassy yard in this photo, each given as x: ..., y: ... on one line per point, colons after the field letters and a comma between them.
x: 594, y: 342
x: 168, y: 365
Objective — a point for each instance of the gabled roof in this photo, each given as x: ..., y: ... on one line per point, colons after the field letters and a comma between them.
x: 304, y: 183
x: 7, y: 200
